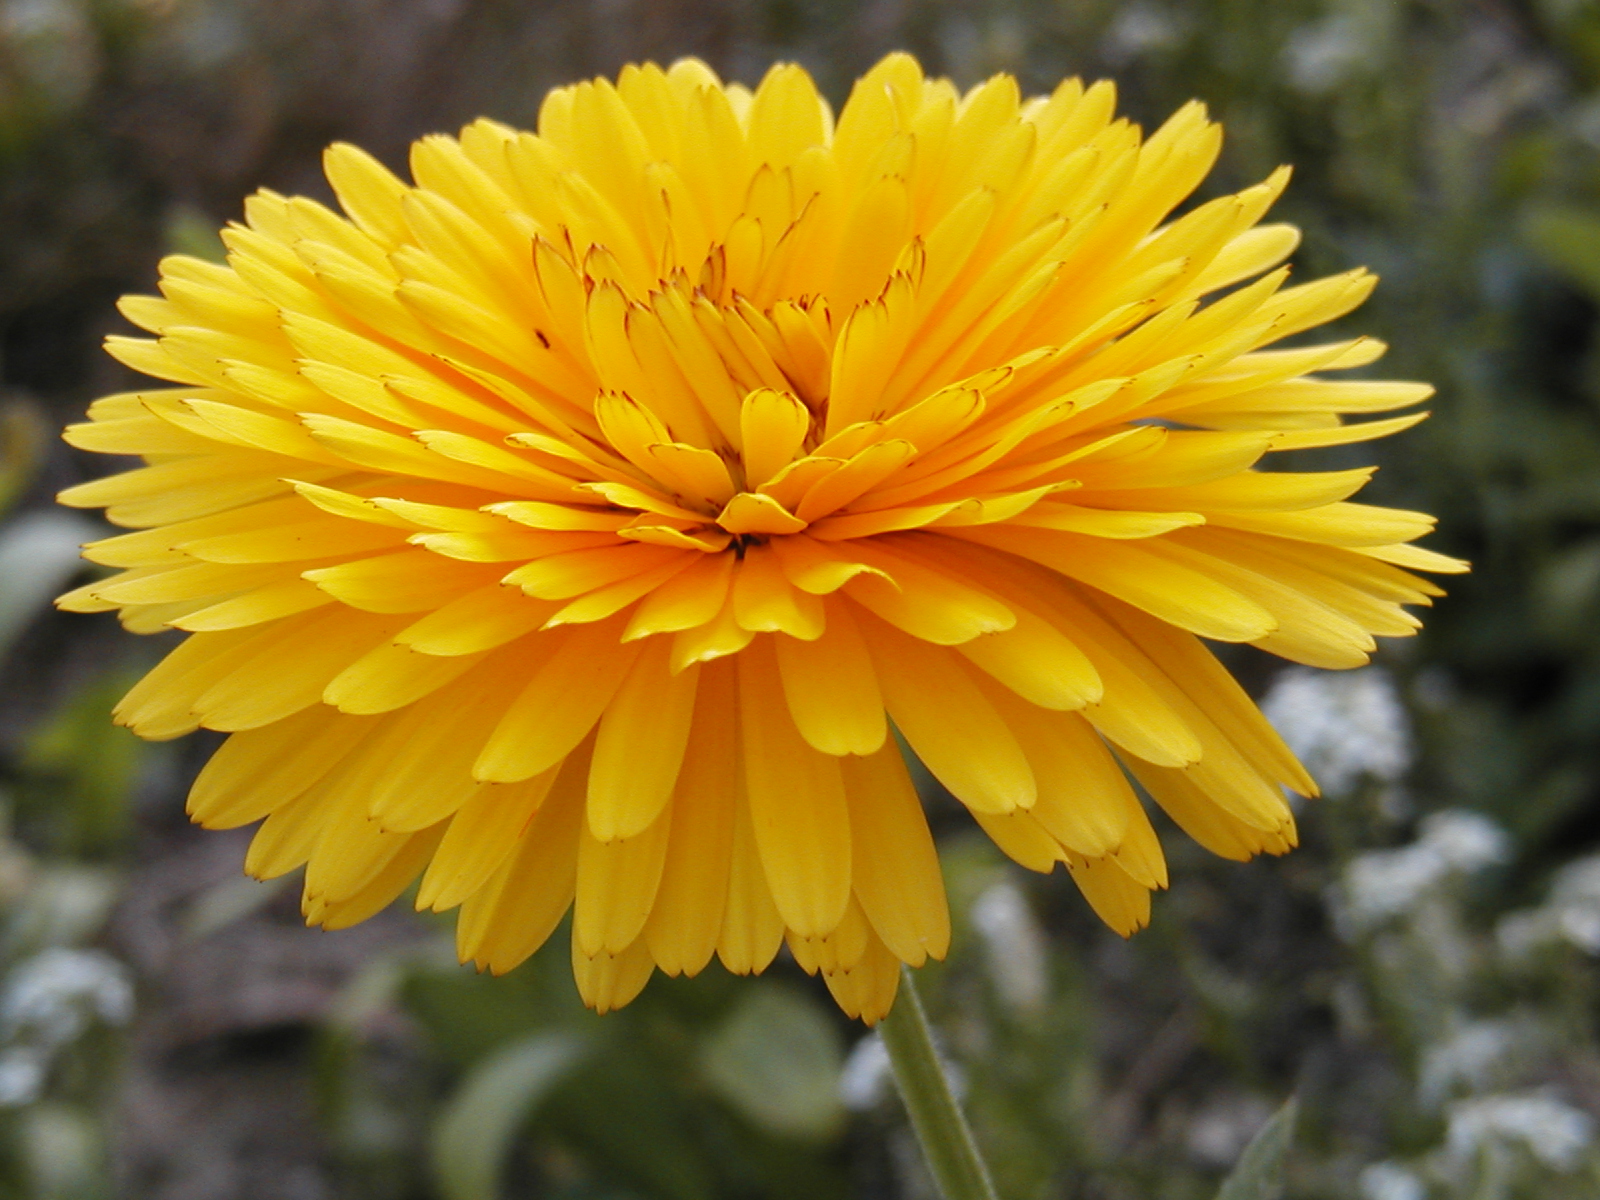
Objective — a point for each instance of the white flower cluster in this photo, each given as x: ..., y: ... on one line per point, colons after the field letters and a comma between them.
x: 1468, y: 1058
x: 1390, y: 1181
x: 49, y: 1001
x: 1014, y: 945
x: 1554, y: 1132
x: 1571, y: 913
x: 865, y: 1078
x: 1383, y: 884
x: 1345, y: 726
x: 1507, y: 1129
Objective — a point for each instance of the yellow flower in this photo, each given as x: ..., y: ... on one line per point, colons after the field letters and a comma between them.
x: 573, y: 523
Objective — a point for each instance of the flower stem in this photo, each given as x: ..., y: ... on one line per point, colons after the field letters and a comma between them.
x: 946, y: 1140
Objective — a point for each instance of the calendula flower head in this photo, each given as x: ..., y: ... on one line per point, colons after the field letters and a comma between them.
x: 568, y: 526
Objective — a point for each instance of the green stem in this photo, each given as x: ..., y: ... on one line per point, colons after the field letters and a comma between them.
x: 946, y: 1140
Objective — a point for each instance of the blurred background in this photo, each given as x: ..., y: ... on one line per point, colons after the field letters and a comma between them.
x: 1422, y: 972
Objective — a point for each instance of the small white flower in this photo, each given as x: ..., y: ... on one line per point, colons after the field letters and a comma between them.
x: 52, y: 45
x: 864, y: 1079
x: 22, y: 1071
x: 1382, y: 884
x: 1014, y: 946
x: 1220, y: 1131
x: 1343, y: 726
x: 1137, y: 29
x: 1467, y: 1057
x: 1554, y: 1132
x: 1320, y: 56
x: 1388, y: 1181
x: 1571, y: 913
x: 50, y: 998
x: 1575, y: 900
x: 1466, y: 841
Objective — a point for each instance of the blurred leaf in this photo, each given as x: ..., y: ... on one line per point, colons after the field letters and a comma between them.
x: 777, y: 1059
x: 1568, y: 238
x: 1258, y: 1175
x: 85, y: 768
x: 23, y: 432
x: 1567, y: 586
x: 189, y: 231
x: 64, y: 905
x: 468, y: 1014
x: 38, y: 554
x: 221, y: 904
x: 627, y: 1113
x: 474, y: 1132
x: 63, y: 1151
x: 373, y: 989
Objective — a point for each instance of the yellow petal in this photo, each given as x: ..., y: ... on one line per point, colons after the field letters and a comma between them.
x: 773, y: 425
x: 951, y: 725
x: 405, y: 582
x: 381, y: 888
x: 867, y: 990
x: 1147, y: 580
x: 608, y: 981
x: 574, y: 572
x: 765, y: 602
x: 687, y: 919
x: 1038, y: 662
x: 258, y: 770
x: 688, y: 600
x: 1119, y: 901
x: 478, y: 620
x: 639, y: 747
x: 1218, y: 830
x: 751, y: 512
x: 510, y: 917
x: 480, y: 836
x: 831, y: 687
x: 616, y: 886
x: 797, y: 803
x: 927, y: 601
x: 391, y: 676
x: 752, y: 929
x: 289, y: 667
x: 717, y: 638
x: 255, y: 607
x: 560, y: 704
x: 897, y: 878
x: 1084, y: 801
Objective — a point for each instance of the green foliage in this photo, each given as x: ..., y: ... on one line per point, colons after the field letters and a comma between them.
x: 472, y: 1135
x: 69, y: 784
x: 63, y: 1153
x: 79, y: 771
x: 1568, y: 238
x: 24, y: 433
x: 776, y: 1058
x: 1259, y: 1173
x: 710, y: 1087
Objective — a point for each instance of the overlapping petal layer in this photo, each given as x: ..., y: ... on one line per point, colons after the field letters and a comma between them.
x: 568, y: 527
